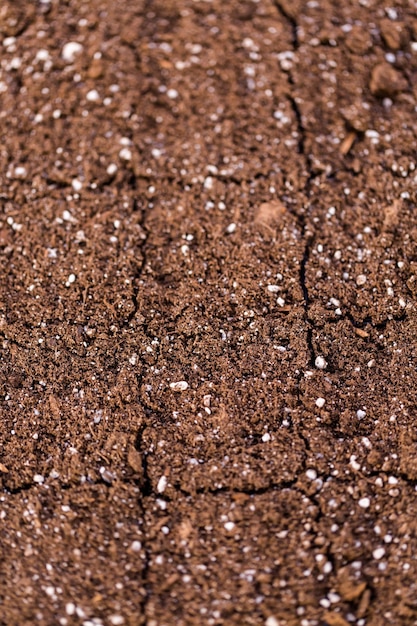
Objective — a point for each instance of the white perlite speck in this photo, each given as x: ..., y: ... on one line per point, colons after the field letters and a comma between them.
x: 38, y: 478
x: 378, y: 553
x: 311, y: 474
x: 116, y: 620
x: 320, y: 363
x: 136, y: 546
x: 162, y: 484
x: 71, y: 50
x: 361, y: 279
x: 181, y: 385
x: 20, y: 172
x: 93, y: 95
x: 70, y: 608
x: 320, y: 402
x: 112, y: 169
x: 273, y: 288
x: 125, y: 154
x: 266, y: 437
x: 364, y: 503
x: 360, y: 414
x: 229, y: 526
x: 271, y: 621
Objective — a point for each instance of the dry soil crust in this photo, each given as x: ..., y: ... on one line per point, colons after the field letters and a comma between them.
x: 208, y: 279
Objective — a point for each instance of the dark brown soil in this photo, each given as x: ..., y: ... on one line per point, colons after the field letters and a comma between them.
x: 208, y: 284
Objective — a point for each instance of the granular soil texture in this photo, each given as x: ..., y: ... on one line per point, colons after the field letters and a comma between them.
x: 208, y: 283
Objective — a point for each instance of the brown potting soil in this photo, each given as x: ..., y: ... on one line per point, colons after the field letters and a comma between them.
x: 208, y: 282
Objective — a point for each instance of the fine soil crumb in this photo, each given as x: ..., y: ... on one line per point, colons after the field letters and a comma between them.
x: 208, y: 313
x: 386, y: 81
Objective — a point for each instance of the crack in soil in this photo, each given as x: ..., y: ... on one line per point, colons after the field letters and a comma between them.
x: 306, y: 234
x: 283, y: 11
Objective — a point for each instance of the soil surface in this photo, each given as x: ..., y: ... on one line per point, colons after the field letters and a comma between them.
x: 208, y: 285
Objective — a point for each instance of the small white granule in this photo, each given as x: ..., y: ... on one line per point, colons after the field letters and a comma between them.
x: 333, y: 597
x: 320, y: 363
x: 364, y: 503
x: 273, y: 288
x: 42, y: 55
x: 266, y: 437
x: 231, y: 228
x: 112, y: 169
x: 181, y: 385
x: 208, y: 182
x: 77, y: 184
x: 66, y: 216
x: 311, y: 474
x: 229, y: 526
x: 93, y: 96
x: 136, y: 546
x: 71, y: 279
x: 280, y: 301
x: 271, y: 621
x: 116, y: 620
x: 125, y: 154
x: 162, y: 484
x: 15, y: 63
x: 360, y: 414
x: 320, y: 402
x: 378, y: 553
x: 20, y: 172
x: 172, y: 93
x: 71, y: 50
x: 361, y: 279
x: 38, y: 478
x: 353, y: 462
x: 70, y: 608
x: 8, y: 42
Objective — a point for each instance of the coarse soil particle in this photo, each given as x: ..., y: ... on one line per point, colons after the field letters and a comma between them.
x: 222, y: 195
